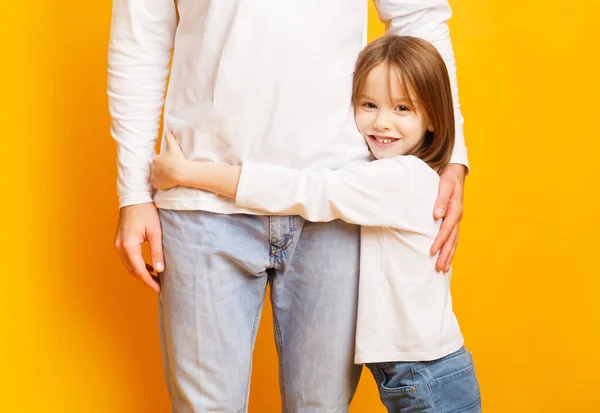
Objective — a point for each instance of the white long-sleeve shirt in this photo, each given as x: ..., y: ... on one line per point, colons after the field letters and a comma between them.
x: 404, y: 303
x: 261, y: 81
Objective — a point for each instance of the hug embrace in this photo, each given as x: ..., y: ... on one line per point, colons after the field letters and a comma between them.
x: 325, y: 190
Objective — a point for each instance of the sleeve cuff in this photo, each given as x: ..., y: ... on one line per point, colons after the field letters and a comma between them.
x: 242, y: 192
x: 459, y: 156
x: 134, y: 199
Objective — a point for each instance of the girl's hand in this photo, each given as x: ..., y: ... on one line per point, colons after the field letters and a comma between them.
x: 168, y: 168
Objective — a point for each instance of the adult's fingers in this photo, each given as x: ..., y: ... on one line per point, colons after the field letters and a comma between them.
x: 449, y: 223
x: 451, y: 256
x: 132, y: 231
x: 451, y: 220
x: 139, y: 270
x: 131, y: 255
x: 447, y: 252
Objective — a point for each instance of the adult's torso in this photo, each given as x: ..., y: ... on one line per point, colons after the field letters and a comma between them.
x: 263, y: 81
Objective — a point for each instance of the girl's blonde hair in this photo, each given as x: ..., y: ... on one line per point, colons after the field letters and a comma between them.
x: 420, y: 68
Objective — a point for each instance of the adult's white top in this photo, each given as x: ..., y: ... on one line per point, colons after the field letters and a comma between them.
x: 260, y: 81
x: 404, y: 303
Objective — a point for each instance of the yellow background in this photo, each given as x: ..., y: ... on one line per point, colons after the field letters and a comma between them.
x: 80, y: 335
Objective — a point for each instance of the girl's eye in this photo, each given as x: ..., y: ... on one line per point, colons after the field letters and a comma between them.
x: 369, y: 105
x: 403, y: 108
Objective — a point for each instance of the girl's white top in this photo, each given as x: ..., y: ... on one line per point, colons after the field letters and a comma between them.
x: 249, y: 81
x: 404, y: 308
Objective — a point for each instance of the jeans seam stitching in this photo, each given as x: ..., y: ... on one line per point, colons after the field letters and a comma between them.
x: 279, y: 340
x: 452, y: 377
x: 269, y: 237
x: 437, y: 402
x: 422, y: 365
x: 253, y: 338
x: 292, y: 232
x: 289, y: 238
x: 412, y: 373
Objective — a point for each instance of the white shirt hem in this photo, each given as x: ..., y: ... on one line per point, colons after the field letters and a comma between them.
x: 383, y: 356
x: 215, y: 205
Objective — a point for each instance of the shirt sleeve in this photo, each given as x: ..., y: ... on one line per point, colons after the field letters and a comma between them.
x: 383, y: 193
x: 427, y: 19
x: 141, y: 38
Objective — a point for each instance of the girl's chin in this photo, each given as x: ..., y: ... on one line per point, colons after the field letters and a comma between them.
x: 384, y: 153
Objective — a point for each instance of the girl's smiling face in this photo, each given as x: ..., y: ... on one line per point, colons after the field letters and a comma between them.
x: 389, y: 122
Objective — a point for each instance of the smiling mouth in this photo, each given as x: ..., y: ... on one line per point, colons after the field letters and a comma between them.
x: 383, y: 140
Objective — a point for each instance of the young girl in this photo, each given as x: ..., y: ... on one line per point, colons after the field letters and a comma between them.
x: 407, y: 333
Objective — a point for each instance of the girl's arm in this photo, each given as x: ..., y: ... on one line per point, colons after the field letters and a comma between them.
x: 220, y: 179
x: 170, y: 169
x: 396, y: 193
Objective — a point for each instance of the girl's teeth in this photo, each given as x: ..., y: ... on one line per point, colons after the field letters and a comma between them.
x: 383, y: 140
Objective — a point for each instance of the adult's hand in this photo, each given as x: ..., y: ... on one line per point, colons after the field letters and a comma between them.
x: 138, y: 224
x: 449, y: 206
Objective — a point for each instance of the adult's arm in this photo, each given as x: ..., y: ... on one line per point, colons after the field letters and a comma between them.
x: 141, y: 38
x: 428, y: 19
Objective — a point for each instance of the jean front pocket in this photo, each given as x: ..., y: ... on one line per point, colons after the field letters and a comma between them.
x: 456, y: 392
x: 397, y: 390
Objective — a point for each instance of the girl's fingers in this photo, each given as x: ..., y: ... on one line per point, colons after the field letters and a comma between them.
x: 172, y: 145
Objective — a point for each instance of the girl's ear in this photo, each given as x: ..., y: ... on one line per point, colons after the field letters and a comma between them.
x: 430, y: 127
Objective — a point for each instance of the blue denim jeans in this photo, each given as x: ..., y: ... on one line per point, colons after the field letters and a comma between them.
x: 217, y: 268
x: 446, y: 385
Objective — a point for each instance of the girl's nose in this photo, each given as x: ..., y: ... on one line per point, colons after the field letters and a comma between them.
x: 381, y: 122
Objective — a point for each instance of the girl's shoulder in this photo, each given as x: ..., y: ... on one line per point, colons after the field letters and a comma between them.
x: 419, y: 168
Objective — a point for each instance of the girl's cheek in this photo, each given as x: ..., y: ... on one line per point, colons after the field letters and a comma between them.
x: 362, y: 120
